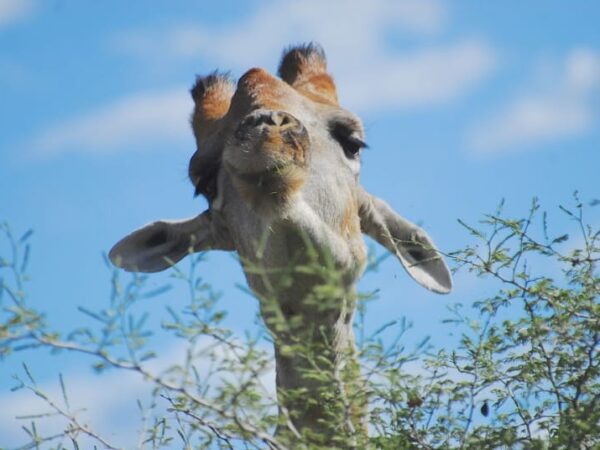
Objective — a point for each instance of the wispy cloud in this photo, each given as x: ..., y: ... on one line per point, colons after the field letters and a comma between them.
x: 12, y: 11
x: 107, y: 403
x: 371, y: 74
x: 352, y: 27
x: 426, y: 77
x: 557, y: 105
x: 130, y: 123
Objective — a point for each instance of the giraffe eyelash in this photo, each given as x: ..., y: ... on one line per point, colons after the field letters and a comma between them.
x: 348, y: 139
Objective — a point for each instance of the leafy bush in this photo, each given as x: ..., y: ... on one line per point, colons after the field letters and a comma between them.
x: 525, y: 374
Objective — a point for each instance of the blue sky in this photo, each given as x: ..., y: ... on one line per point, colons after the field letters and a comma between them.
x: 464, y: 103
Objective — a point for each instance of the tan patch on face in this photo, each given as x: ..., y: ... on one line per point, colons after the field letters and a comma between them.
x: 350, y: 225
x: 263, y: 89
x: 351, y: 231
x: 319, y: 88
x: 256, y: 77
x: 270, y: 189
x: 286, y: 147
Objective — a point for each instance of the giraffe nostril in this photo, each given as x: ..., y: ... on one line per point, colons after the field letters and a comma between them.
x: 269, y: 119
x: 284, y: 120
x: 275, y: 119
x: 255, y: 120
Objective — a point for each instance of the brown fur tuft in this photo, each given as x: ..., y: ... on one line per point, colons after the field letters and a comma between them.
x: 301, y: 62
x: 305, y: 68
x: 212, y: 96
x: 208, y: 85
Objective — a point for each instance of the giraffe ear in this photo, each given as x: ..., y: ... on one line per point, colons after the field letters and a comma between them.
x: 161, y: 244
x: 411, y: 245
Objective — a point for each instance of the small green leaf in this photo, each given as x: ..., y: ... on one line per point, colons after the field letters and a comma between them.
x: 26, y: 236
x: 156, y: 292
x: 92, y: 314
x: 64, y: 390
x: 28, y: 373
x: 559, y: 239
x: 25, y: 258
x: 147, y: 356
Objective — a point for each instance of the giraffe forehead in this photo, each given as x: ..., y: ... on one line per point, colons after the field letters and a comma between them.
x: 257, y: 79
x: 257, y: 88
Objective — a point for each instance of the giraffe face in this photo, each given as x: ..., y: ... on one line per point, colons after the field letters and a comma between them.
x: 279, y: 138
x: 278, y: 155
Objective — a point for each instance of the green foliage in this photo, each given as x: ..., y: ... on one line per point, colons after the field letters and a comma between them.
x: 525, y: 371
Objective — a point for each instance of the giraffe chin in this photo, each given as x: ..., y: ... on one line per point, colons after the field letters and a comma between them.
x: 271, y: 188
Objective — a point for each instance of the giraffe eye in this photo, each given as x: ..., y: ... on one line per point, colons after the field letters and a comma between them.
x: 348, y: 139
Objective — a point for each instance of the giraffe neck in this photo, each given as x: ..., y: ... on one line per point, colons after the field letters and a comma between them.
x: 319, y: 388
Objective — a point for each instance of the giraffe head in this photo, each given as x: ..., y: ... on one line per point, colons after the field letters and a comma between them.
x: 279, y: 156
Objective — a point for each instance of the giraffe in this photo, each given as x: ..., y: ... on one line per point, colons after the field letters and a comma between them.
x: 278, y: 161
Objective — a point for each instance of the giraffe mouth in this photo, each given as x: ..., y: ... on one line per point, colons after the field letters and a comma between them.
x: 264, y: 177
x: 274, y: 185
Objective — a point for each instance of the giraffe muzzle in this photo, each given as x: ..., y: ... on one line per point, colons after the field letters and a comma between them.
x: 275, y: 135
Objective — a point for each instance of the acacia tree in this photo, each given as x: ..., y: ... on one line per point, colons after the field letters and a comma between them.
x: 524, y: 374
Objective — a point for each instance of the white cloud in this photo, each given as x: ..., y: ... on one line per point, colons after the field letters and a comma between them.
x: 564, y: 106
x: 344, y: 27
x: 107, y: 403
x: 427, y: 77
x: 371, y: 75
x: 129, y: 122
x: 12, y: 11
